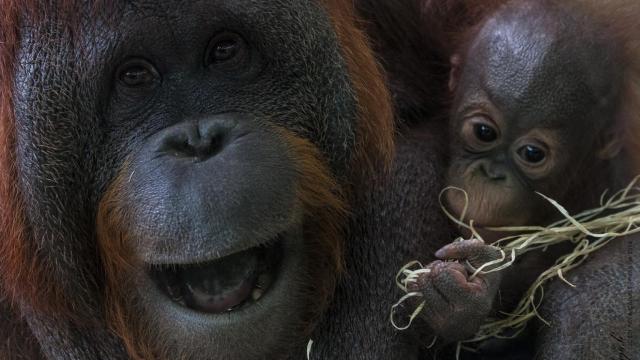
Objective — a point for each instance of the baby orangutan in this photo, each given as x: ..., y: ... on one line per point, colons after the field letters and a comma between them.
x: 536, y: 90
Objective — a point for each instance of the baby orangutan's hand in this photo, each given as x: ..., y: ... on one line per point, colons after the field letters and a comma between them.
x: 456, y: 304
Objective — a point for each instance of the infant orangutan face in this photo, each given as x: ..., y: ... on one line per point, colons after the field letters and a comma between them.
x: 529, y: 106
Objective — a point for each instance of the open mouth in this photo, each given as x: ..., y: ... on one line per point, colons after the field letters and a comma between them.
x: 222, y: 285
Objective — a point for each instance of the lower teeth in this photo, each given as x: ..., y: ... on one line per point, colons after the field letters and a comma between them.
x: 256, y: 294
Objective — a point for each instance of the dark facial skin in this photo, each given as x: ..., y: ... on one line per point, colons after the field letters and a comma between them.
x: 533, y: 94
x: 177, y: 111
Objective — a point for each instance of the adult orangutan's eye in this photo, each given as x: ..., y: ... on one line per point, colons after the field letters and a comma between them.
x: 227, y: 48
x: 137, y: 73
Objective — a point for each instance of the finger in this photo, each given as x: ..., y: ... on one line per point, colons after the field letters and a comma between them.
x: 454, y: 285
x: 459, y: 249
x: 436, y: 304
x: 424, y: 277
x: 467, y: 298
x: 474, y: 250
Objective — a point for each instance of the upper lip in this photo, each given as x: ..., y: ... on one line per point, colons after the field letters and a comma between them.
x: 188, y: 256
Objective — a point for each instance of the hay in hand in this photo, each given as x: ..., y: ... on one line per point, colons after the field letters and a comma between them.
x: 617, y: 216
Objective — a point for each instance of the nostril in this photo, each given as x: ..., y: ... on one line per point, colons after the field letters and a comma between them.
x: 177, y: 141
x: 199, y: 140
x: 209, y: 145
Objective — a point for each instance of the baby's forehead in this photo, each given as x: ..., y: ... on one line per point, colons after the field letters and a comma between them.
x: 527, y: 59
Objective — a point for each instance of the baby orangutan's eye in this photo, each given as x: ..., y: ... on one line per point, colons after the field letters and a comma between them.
x: 480, y: 133
x: 485, y: 133
x: 532, y: 154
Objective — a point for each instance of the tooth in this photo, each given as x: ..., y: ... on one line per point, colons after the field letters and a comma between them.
x: 256, y: 294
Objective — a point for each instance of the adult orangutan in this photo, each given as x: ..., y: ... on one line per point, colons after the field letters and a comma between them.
x: 174, y: 175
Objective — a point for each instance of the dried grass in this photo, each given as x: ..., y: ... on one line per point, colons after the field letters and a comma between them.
x: 618, y: 215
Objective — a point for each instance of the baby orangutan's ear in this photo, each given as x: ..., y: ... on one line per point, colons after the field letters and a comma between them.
x: 610, y: 144
x: 454, y: 74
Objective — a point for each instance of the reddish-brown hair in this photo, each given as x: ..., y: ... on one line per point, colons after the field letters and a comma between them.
x: 375, y: 126
x: 21, y: 274
x: 24, y: 271
x: 318, y: 194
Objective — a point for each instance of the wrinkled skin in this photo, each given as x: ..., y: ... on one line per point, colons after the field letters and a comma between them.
x: 171, y: 135
x: 457, y: 300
